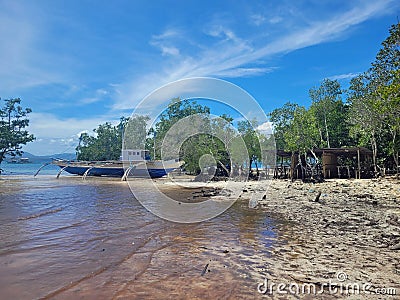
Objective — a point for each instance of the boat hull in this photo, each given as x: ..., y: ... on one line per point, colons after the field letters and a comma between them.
x: 151, y: 169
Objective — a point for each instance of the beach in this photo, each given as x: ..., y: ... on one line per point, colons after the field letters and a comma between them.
x: 342, y: 231
x: 84, y: 239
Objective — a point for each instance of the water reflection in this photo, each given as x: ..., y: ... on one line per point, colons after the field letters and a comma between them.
x: 70, y: 238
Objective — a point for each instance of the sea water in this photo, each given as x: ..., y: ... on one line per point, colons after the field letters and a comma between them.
x: 27, y: 169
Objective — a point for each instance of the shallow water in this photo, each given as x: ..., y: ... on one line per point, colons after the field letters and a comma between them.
x: 71, y: 238
x: 28, y: 169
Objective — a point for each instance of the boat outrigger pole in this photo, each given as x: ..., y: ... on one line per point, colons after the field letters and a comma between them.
x: 62, y: 169
x: 37, y: 172
x: 86, y: 172
x: 128, y: 170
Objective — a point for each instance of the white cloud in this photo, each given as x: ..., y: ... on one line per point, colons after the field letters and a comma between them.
x: 23, y: 62
x: 99, y: 95
x: 265, y: 128
x: 275, y: 20
x: 55, y: 135
x: 224, y: 33
x: 165, y: 41
x: 346, y: 76
x: 231, y: 55
x: 243, y: 72
x: 257, y: 19
x: 82, y: 132
x: 169, y: 50
x: 44, y: 125
x: 169, y: 33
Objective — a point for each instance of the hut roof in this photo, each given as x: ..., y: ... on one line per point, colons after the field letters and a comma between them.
x: 344, y: 151
x: 349, y: 151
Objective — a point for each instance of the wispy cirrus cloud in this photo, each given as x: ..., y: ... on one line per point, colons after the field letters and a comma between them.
x: 346, y: 76
x: 258, y: 19
x: 25, y: 59
x: 165, y: 42
x: 231, y: 55
x: 99, y: 95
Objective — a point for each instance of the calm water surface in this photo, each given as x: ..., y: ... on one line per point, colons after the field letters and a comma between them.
x: 71, y: 239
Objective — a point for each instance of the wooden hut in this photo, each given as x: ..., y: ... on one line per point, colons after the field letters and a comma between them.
x: 360, y: 159
x: 353, y: 162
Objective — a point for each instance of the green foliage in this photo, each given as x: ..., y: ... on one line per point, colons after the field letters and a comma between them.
x: 135, y: 132
x: 106, y: 142
x: 104, y: 145
x: 302, y: 133
x: 297, y: 128
x: 281, y: 119
x: 330, y: 114
x: 197, y: 145
x: 205, y: 136
x: 177, y: 110
x: 364, y: 113
x: 251, y: 139
x: 13, y: 120
x: 374, y: 102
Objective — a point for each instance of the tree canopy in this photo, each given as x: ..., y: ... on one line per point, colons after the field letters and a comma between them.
x: 369, y: 116
x: 13, y: 121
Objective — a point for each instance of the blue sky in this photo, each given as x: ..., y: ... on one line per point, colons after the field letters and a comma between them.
x: 81, y: 63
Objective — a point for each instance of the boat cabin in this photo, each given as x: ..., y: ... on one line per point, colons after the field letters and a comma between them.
x: 135, y: 155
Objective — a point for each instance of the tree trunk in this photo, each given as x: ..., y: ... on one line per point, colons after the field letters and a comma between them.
x: 321, y: 137
x: 314, y: 167
x: 223, y: 167
x: 395, y: 153
x: 374, y: 153
x: 257, y: 171
x: 250, y: 171
x: 1, y: 158
x: 327, y: 132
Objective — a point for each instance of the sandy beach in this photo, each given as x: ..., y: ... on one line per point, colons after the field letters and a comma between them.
x: 340, y: 228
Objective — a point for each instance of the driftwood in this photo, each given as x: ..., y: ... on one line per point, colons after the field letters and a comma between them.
x: 317, y: 197
x: 395, y: 247
x: 204, y: 270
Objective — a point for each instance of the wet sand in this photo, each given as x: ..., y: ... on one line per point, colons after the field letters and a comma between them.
x: 74, y: 239
x: 346, y: 231
x: 341, y: 236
